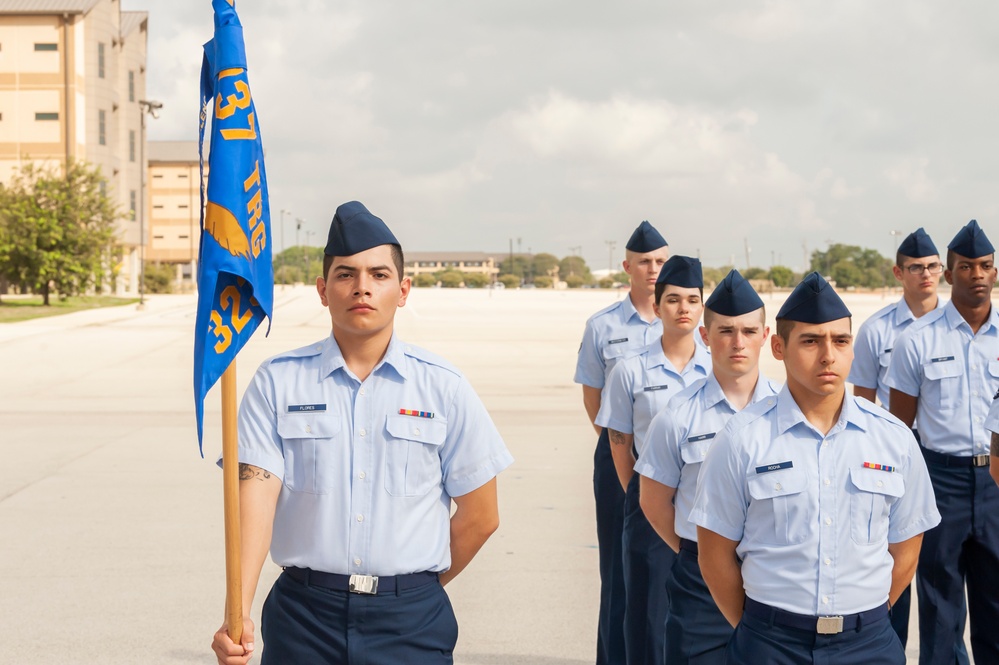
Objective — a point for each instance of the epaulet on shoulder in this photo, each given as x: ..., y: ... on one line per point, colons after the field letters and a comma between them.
x: 690, y: 391
x: 752, y: 412
x: 873, y: 409
x: 302, y: 352
x: 430, y: 358
x: 609, y: 308
x: 883, y: 312
x: 928, y: 318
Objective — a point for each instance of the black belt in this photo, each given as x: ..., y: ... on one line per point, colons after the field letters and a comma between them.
x: 825, y: 625
x: 943, y: 459
x: 688, y: 546
x: 368, y: 585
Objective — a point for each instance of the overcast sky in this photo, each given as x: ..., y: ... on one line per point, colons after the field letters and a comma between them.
x: 566, y: 123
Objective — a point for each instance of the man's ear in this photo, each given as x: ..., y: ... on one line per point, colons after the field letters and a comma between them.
x: 777, y: 347
x: 321, y: 288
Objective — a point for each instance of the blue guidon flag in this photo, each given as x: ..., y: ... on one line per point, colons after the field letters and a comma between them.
x: 235, y: 273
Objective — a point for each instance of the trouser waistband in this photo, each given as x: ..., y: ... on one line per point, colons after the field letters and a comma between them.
x: 369, y: 585
x: 688, y: 546
x: 824, y: 625
x: 944, y: 459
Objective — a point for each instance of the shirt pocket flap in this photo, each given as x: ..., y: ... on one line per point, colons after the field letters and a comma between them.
x: 620, y: 350
x: 877, y: 481
x: 944, y: 369
x: 694, y: 452
x: 994, y: 368
x: 884, y: 359
x: 424, y: 430
x: 776, y: 483
x: 308, y: 425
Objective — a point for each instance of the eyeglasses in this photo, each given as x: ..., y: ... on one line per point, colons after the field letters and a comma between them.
x: 918, y: 268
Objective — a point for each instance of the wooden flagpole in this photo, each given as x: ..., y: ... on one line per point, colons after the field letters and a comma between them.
x: 230, y: 489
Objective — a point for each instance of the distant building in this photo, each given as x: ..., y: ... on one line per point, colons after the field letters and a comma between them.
x: 72, y: 73
x: 428, y: 263
x: 174, y: 205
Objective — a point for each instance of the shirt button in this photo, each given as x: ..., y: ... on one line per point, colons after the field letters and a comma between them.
x: 362, y: 432
x: 360, y: 518
x: 777, y: 486
x: 362, y: 391
x: 828, y: 521
x: 361, y: 475
x: 357, y: 562
x: 975, y: 393
x: 308, y: 429
x: 826, y: 482
x: 880, y: 484
x: 825, y: 600
x: 416, y: 431
x: 827, y: 561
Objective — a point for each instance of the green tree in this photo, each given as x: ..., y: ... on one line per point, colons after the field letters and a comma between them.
x: 543, y: 282
x: 520, y: 266
x: 307, y: 260
x: 57, y: 229
x: 476, y: 280
x: 542, y: 264
x: 510, y: 281
x: 781, y: 276
x: 574, y: 281
x: 574, y: 266
x: 754, y: 273
x: 450, y: 279
x: 851, y: 265
x: 424, y: 280
x: 620, y: 278
x: 158, y: 278
x: 606, y: 283
x: 288, y: 275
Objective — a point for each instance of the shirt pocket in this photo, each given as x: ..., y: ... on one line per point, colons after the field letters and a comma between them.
x: 779, y: 510
x: 412, y: 455
x: 310, y: 442
x: 694, y: 452
x: 872, y: 493
x: 942, y: 383
x: 612, y: 353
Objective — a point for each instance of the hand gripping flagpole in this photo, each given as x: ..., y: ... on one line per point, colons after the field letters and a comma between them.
x: 235, y: 271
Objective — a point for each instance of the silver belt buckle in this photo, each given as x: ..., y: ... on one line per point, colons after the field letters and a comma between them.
x: 368, y: 585
x: 829, y: 625
x: 980, y: 460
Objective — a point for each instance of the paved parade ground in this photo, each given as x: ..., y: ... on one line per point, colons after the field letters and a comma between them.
x: 111, y: 546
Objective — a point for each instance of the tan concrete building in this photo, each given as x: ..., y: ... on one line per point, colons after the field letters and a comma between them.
x: 174, y: 206
x: 72, y: 73
x: 423, y: 263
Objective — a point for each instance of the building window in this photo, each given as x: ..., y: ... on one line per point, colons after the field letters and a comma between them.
x: 100, y: 59
x: 131, y: 145
x: 157, y: 175
x: 46, y: 47
x: 102, y: 128
x: 131, y: 86
x: 131, y: 202
x: 158, y: 207
x: 182, y: 206
x: 46, y: 116
x: 184, y: 237
x: 181, y: 175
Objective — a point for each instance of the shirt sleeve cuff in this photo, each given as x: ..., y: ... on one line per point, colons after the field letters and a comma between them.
x: 718, y: 526
x: 460, y: 485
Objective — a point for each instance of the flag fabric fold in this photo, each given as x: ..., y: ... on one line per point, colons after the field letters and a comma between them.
x: 235, y: 271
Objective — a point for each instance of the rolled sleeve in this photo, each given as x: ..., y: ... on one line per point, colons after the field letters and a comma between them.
x: 617, y: 404
x: 992, y: 420
x: 720, y: 504
x: 660, y: 460
x: 473, y: 452
x: 916, y: 512
x: 259, y: 442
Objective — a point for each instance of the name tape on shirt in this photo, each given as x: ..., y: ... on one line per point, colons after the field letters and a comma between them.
x: 767, y: 468
x: 618, y: 341
x: 651, y: 388
x: 297, y: 408
x: 879, y: 467
x: 941, y: 359
x: 700, y: 437
x: 415, y: 413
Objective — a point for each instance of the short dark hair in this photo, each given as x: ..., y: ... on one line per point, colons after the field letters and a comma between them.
x: 397, y: 258
x: 709, y: 316
x: 661, y: 289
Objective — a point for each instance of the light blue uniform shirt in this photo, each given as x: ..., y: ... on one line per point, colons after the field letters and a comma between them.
x: 874, y: 343
x: 813, y: 524
x: 639, y: 387
x: 954, y: 374
x: 992, y: 420
x: 681, y: 435
x: 613, y: 333
x: 365, y: 489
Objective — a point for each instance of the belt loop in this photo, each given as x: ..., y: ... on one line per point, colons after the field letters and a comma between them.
x: 308, y: 577
x: 860, y: 621
x: 397, y: 586
x: 772, y: 617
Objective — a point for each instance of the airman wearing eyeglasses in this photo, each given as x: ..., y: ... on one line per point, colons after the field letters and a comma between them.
x: 918, y: 268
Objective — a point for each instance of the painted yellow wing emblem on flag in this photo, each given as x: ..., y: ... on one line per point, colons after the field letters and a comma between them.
x: 222, y: 226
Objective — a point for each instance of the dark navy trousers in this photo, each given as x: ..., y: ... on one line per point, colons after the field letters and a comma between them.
x: 647, y: 563
x: 309, y: 624
x: 962, y: 550
x: 697, y: 633
x: 610, y: 522
x: 758, y: 641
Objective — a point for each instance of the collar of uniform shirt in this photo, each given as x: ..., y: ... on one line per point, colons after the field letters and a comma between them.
x: 713, y: 393
x: 954, y: 319
x: 332, y: 358
x: 789, y: 415
x: 657, y: 358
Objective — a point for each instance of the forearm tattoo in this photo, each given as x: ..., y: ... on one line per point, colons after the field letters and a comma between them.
x: 994, y: 447
x: 616, y: 437
x: 248, y: 472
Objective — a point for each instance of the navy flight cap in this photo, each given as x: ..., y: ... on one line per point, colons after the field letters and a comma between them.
x: 813, y: 301
x: 354, y: 230
x: 917, y: 245
x: 734, y: 296
x: 681, y: 271
x: 971, y: 242
x: 645, y: 239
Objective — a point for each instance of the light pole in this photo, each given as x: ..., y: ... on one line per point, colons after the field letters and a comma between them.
x: 575, y: 252
x: 152, y: 108
x: 895, y: 234
x: 308, y: 259
x: 611, y: 244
